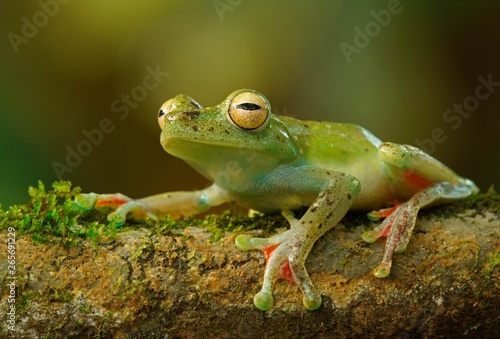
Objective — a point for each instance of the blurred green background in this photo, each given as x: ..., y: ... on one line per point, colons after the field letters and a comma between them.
x: 64, y: 64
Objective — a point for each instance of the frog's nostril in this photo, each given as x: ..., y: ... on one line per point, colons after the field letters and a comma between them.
x: 189, y: 115
x: 194, y: 103
x: 183, y: 116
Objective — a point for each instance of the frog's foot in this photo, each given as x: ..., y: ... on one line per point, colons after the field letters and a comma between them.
x: 122, y: 205
x: 280, y: 263
x: 398, y: 226
x: 285, y: 259
x: 383, y: 229
x: 393, y: 226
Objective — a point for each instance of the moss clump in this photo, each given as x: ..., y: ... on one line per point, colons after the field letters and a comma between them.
x: 50, y: 216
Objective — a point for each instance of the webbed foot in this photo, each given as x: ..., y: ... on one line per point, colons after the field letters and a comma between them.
x: 399, y: 224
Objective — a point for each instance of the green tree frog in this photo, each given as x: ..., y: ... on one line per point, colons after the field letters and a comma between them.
x: 273, y: 163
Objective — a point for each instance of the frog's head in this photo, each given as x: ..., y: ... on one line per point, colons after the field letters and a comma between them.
x: 240, y: 133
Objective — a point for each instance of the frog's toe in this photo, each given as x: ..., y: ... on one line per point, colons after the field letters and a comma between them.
x: 384, y: 212
x: 382, y: 271
x: 136, y: 208
x: 370, y: 236
x: 263, y: 300
x: 312, y: 300
x: 117, y: 217
x: 244, y: 242
x: 85, y: 201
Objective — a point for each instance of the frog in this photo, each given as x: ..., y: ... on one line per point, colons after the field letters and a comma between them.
x: 279, y: 164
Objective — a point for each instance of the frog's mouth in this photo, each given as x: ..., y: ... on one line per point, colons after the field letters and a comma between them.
x: 222, y: 162
x: 187, y: 133
x: 193, y: 149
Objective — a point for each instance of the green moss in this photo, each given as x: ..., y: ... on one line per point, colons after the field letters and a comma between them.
x: 24, y: 300
x: 493, y: 261
x: 57, y: 293
x: 218, y: 224
x: 49, y: 216
x: 234, y: 222
x: 85, y: 308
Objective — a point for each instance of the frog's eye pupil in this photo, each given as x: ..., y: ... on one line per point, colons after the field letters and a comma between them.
x: 248, y: 106
x: 162, y: 112
x: 248, y: 110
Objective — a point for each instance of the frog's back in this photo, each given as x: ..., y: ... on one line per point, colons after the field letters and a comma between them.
x: 332, y: 144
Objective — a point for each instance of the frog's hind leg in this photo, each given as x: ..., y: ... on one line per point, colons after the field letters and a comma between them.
x: 432, y: 182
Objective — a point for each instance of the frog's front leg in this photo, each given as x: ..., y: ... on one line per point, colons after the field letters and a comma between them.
x: 174, y: 204
x: 286, y: 252
x: 409, y: 167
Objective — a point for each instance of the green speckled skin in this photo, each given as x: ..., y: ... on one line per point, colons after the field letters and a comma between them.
x: 275, y: 163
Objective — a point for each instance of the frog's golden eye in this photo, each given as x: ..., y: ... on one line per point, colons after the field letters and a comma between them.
x: 166, y: 108
x: 249, y: 111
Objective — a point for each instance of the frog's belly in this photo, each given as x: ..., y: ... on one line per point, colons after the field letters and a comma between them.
x: 376, y: 191
x: 374, y: 194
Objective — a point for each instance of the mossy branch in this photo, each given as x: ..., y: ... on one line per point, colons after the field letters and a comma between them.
x: 78, y: 274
